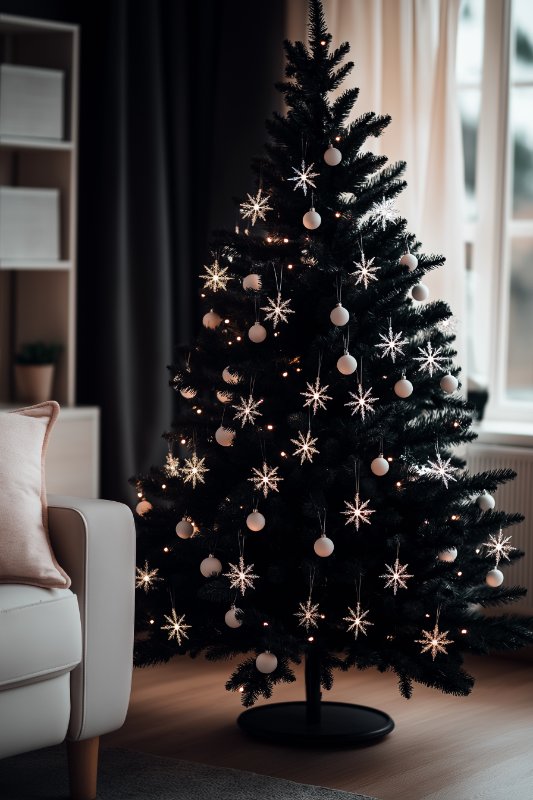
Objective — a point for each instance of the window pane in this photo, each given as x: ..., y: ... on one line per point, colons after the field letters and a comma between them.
x: 520, y: 356
x: 522, y: 143
x: 470, y: 42
x: 522, y: 47
x: 469, y: 104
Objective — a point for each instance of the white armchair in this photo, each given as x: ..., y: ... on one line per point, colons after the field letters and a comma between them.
x: 66, y: 654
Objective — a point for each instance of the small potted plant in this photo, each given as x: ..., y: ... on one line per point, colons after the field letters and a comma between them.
x: 34, y: 371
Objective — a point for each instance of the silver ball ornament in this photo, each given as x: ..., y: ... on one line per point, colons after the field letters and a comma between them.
x: 332, y: 156
x: 339, y: 316
x: 379, y: 466
x: 347, y: 364
x: 252, y: 282
x: 449, y: 554
x: 449, y: 383
x: 224, y: 436
x: 494, y: 578
x: 410, y: 261
x: 323, y: 547
x: 255, y: 521
x: 188, y: 392
x: 311, y: 219
x: 266, y: 662
x: 420, y: 292
x: 211, y: 320
x: 224, y: 397
x: 257, y: 333
x: 230, y: 377
x: 143, y: 508
x: 486, y: 501
x: 210, y: 566
x: 403, y: 388
x: 231, y: 619
x: 184, y: 529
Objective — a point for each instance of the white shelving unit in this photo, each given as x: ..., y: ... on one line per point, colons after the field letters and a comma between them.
x: 38, y: 298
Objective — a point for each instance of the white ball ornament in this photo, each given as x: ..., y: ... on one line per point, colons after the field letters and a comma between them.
x: 210, y: 567
x: 486, y: 501
x: 323, y: 547
x: 379, y: 466
x: 230, y: 377
x: 252, y: 282
x: 255, y: 521
x: 224, y: 436
x: 410, y: 261
x: 339, y: 316
x: 257, y: 333
x: 143, y: 508
x: 184, y: 529
x: 332, y: 156
x: 211, y: 320
x: 266, y: 662
x: 403, y: 388
x: 188, y: 392
x: 449, y: 383
x: 311, y: 219
x: 346, y: 364
x: 494, y: 578
x: 230, y: 618
x: 449, y: 554
x: 224, y: 397
x: 420, y: 292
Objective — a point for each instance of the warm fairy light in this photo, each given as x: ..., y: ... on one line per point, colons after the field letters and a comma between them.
x: 323, y: 42
x: 454, y: 517
x: 277, y: 333
x: 456, y: 424
x: 152, y: 621
x: 269, y: 239
x: 322, y: 616
x: 285, y: 241
x: 198, y: 410
x: 183, y: 441
x: 459, y: 573
x: 311, y: 639
x: 239, y: 338
x: 289, y: 266
x: 426, y: 522
x: 398, y: 484
x: 298, y: 369
x: 202, y: 295
x: 265, y: 624
x: 230, y: 342
x: 337, y: 138
x: 337, y: 214
x: 283, y: 375
x: 389, y: 458
x: 427, y: 616
x: 464, y: 630
x: 165, y: 550
x: 478, y: 550
x: 139, y: 494
x: 283, y: 454
x: 226, y: 322
x: 163, y: 486
x: 270, y: 427
x: 241, y: 688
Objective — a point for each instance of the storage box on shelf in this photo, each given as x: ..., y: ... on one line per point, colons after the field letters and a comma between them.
x: 31, y: 102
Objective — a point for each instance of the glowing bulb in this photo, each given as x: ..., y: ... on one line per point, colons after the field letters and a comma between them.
x: 139, y: 494
x: 323, y: 43
x: 289, y: 266
x: 198, y: 410
x: 270, y: 427
x: 283, y: 454
x: 269, y: 239
x: 398, y: 484
x: 477, y: 550
x: 311, y: 639
x: 464, y: 630
x: 265, y: 624
x: 163, y: 486
x: 241, y: 688
x: 285, y: 241
x: 165, y: 550
x: 337, y: 138
x: 226, y: 322
x: 239, y: 338
x: 152, y: 621
x: 183, y: 441
x: 283, y: 375
x: 389, y: 458
x: 459, y: 573
x: 427, y: 616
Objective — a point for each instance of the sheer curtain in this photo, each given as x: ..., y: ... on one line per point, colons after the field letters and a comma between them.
x: 404, y: 54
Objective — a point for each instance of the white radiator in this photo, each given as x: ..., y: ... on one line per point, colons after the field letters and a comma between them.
x: 515, y: 496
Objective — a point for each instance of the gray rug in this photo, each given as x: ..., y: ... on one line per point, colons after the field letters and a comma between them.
x: 127, y: 775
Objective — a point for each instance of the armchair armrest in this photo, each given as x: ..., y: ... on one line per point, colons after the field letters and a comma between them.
x: 94, y: 541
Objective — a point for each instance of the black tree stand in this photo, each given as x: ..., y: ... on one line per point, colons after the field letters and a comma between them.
x: 313, y: 722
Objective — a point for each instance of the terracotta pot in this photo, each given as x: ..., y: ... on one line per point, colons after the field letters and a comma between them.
x: 33, y: 382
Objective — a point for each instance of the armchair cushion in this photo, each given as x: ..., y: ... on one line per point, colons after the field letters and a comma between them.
x: 25, y: 553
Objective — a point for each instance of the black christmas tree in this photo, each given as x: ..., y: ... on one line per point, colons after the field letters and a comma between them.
x: 312, y: 504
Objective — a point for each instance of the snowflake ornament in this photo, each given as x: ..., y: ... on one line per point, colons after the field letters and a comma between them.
x: 435, y: 641
x: 241, y: 576
x: 247, y: 410
x: 194, y: 470
x: 266, y: 479
x: 277, y: 310
x: 392, y: 344
x: 499, y: 546
x: 441, y: 469
x: 364, y: 271
x: 308, y: 615
x: 357, y: 512
x: 362, y: 402
x: 357, y: 622
x: 430, y: 359
x: 304, y: 177
x: 396, y: 576
x: 383, y: 212
x: 176, y: 627
x: 305, y: 446
x: 215, y: 277
x: 316, y: 395
x: 172, y: 466
x: 145, y: 577
x: 255, y: 207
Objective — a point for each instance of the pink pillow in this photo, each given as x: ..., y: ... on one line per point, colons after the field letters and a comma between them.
x: 25, y: 552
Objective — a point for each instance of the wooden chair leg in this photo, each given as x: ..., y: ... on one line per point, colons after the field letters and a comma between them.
x: 83, y: 768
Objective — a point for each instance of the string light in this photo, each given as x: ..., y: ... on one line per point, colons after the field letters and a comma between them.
x: 265, y: 624
x: 464, y: 630
x: 166, y: 550
x: 239, y: 338
x: 183, y: 441
x: 283, y: 375
x: 311, y: 639
x: 337, y: 214
x: 241, y: 688
x: 140, y: 494
x: 226, y: 322
x: 459, y: 573
x: 337, y: 138
x: 270, y: 427
x: 163, y: 486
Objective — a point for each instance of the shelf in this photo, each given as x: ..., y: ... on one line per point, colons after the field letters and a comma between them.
x: 27, y: 143
x: 25, y: 264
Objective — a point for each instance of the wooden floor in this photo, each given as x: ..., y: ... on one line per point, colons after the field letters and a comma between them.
x: 443, y: 748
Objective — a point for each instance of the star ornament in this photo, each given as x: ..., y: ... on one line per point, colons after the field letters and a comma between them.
x: 241, y: 576
x: 277, y: 310
x: 215, y: 277
x: 266, y: 479
x: 305, y: 446
x: 362, y: 402
x: 364, y: 272
x: 247, y: 410
x: 308, y: 615
x: 383, y: 212
x: 172, y: 466
x: 304, y: 177
x: 396, y: 577
x: 145, y: 577
x: 357, y: 512
x: 357, y: 622
x: 392, y: 344
x: 499, y: 547
x: 434, y: 640
x: 316, y: 395
x: 194, y: 470
x: 176, y: 627
x: 430, y: 360
x: 441, y: 469
x: 255, y: 207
